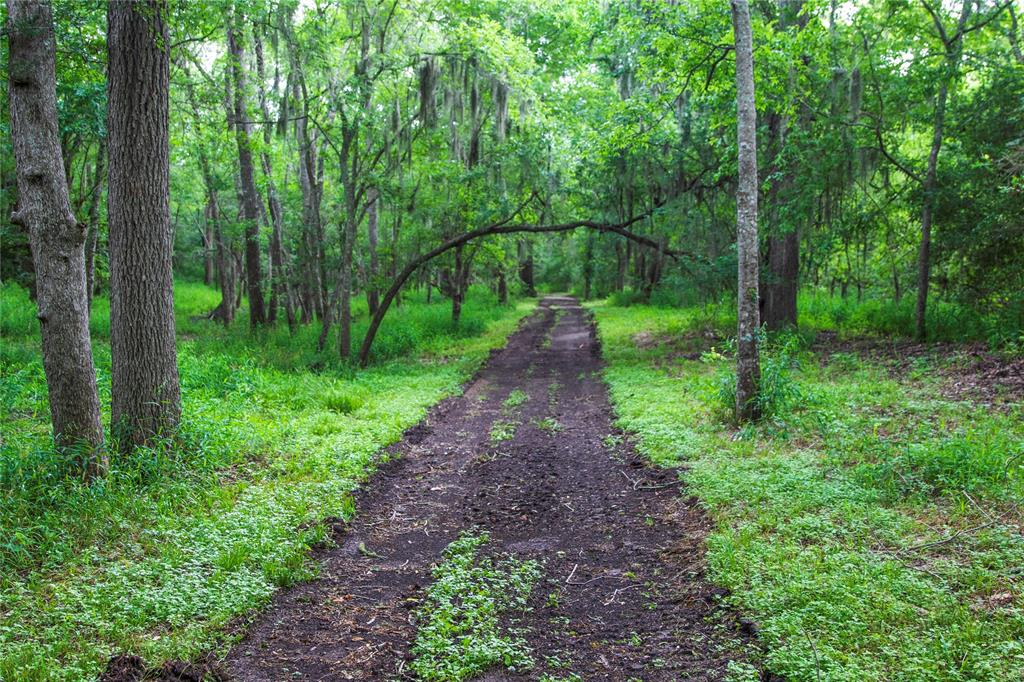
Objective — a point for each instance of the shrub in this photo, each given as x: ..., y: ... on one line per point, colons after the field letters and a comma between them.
x: 778, y: 392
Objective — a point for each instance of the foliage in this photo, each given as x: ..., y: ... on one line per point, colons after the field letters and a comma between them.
x: 461, y: 629
x: 876, y: 537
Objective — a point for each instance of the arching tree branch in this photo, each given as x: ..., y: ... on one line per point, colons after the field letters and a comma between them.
x: 503, y: 227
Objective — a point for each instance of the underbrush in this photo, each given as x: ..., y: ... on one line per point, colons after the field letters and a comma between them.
x: 184, y: 536
x: 873, y: 529
x: 999, y: 324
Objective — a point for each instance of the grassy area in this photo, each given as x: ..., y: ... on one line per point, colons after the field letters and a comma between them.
x: 461, y: 634
x: 871, y: 527
x: 183, y: 537
x: 999, y: 324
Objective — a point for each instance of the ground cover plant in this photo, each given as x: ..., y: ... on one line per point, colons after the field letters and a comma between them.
x: 463, y: 628
x: 191, y: 532
x: 872, y: 529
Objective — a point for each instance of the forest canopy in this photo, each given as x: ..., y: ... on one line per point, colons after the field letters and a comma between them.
x: 378, y: 130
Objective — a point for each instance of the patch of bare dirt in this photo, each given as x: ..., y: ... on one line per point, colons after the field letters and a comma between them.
x: 687, y: 346
x: 968, y: 371
x: 133, y: 669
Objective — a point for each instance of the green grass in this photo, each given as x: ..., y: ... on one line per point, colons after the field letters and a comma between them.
x: 461, y: 630
x: 999, y: 324
x: 183, y: 537
x: 872, y: 529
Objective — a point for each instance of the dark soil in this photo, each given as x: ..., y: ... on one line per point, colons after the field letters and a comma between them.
x: 623, y: 594
x: 967, y: 371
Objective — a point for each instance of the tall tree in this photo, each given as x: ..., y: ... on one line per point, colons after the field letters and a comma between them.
x: 952, y: 43
x: 748, y: 370
x: 248, y: 196
x: 145, y: 392
x: 782, y: 281
x: 57, y: 239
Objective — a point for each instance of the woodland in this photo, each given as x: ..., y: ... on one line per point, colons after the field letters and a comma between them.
x: 534, y: 339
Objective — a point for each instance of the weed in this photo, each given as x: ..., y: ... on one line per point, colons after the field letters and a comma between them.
x: 459, y: 633
x: 548, y: 424
x: 515, y: 399
x: 778, y: 392
x: 503, y: 429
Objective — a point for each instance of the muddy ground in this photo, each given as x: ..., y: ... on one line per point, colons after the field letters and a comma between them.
x: 623, y: 595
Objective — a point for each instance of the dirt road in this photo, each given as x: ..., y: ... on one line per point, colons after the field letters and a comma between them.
x: 549, y: 477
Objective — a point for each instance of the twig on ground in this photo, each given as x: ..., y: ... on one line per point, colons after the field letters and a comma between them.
x: 817, y: 661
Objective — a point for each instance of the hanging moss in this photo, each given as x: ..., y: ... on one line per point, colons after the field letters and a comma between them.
x: 428, y: 77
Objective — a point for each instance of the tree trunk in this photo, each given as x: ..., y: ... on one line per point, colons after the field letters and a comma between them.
x: 783, y: 283
x: 748, y: 372
x: 588, y: 265
x: 954, y: 50
x: 226, y: 276
x: 92, y: 240
x: 456, y: 288
x: 146, y: 398
x: 348, y: 238
x: 57, y: 240
x: 526, y: 267
x: 372, y: 293
x: 279, y: 288
x: 502, y: 288
x: 249, y: 199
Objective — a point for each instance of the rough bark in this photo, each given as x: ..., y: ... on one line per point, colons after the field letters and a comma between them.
x: 56, y: 238
x: 146, y: 398
x: 249, y: 198
x: 748, y: 370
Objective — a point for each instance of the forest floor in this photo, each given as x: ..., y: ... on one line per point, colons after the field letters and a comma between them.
x: 526, y: 469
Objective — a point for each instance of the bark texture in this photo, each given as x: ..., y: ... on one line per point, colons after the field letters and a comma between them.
x: 57, y: 239
x: 146, y: 398
x: 748, y: 370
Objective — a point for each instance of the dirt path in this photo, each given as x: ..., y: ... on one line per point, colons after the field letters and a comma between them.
x: 621, y: 548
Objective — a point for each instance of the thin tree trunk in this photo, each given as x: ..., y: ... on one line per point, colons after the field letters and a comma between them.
x: 748, y: 370
x: 57, y: 240
x: 502, y: 288
x: 146, y: 398
x: 249, y: 198
x: 372, y: 293
x: 278, y: 282
x: 954, y: 51
x: 348, y: 227
x: 92, y: 240
x: 456, y: 288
